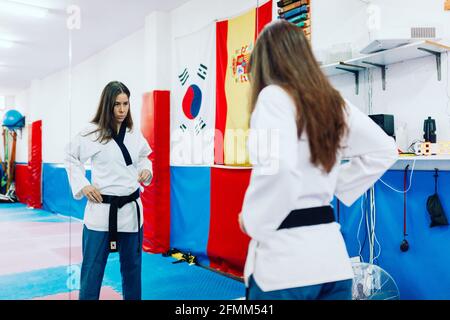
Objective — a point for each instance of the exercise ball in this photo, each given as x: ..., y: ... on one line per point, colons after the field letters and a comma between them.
x: 13, y: 119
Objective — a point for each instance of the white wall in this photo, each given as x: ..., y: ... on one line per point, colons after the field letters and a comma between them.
x: 196, y: 14
x: 400, y: 14
x: 22, y: 104
x: 124, y: 61
x: 144, y: 61
x: 7, y: 91
x: 333, y: 22
x: 48, y: 98
x: 336, y: 23
x: 413, y: 92
x: 22, y: 101
x: 158, y: 65
x: 10, y: 100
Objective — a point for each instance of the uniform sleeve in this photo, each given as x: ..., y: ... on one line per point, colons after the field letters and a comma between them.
x: 144, y: 161
x: 77, y: 152
x: 370, y: 153
x: 269, y: 197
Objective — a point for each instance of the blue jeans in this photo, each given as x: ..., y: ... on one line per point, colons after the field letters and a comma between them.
x: 341, y: 290
x: 95, y: 256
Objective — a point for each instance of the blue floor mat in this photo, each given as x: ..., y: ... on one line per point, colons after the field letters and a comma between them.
x: 161, y: 278
x: 19, y: 212
x: 34, y: 284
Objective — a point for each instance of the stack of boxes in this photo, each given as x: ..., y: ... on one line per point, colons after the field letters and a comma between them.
x: 297, y: 12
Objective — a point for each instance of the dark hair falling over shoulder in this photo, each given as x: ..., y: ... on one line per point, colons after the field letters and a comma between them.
x: 104, y: 118
x: 282, y: 56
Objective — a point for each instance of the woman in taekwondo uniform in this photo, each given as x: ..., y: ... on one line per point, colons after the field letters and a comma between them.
x: 113, y: 216
x: 297, y: 250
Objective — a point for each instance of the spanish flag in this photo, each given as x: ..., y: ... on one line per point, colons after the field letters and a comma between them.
x: 235, y: 41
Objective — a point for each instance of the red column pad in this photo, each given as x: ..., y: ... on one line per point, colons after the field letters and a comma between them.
x: 22, y: 183
x: 227, y: 245
x: 155, y: 127
x: 221, y: 99
x: 35, y: 165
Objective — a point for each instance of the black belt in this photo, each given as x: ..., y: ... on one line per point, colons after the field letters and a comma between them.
x: 308, y: 217
x: 116, y: 203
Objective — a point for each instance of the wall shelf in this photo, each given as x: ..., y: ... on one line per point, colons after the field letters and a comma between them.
x: 385, y: 58
x: 424, y: 163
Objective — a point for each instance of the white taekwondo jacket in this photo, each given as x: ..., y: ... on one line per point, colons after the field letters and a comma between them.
x: 309, y: 255
x: 110, y: 175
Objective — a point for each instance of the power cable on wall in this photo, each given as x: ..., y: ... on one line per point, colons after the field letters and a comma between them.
x: 370, y: 94
x: 70, y: 132
x: 410, y: 181
x: 368, y: 214
x: 448, y: 89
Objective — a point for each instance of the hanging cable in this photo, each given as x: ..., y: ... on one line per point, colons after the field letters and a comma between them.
x: 436, y: 176
x: 410, y: 180
x: 338, y: 211
x: 369, y: 235
x: 370, y: 94
x: 373, y: 235
x: 69, y: 102
x: 359, y: 229
x: 368, y: 213
x: 371, y: 229
x: 448, y: 87
x: 375, y: 259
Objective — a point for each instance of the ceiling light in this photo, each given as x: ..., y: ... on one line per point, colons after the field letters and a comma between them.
x: 6, y: 44
x: 20, y: 9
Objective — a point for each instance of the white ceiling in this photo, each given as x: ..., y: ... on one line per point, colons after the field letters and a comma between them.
x: 41, y: 46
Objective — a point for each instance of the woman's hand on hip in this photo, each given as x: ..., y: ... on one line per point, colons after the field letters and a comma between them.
x: 92, y: 194
x: 144, y: 176
x: 241, y: 223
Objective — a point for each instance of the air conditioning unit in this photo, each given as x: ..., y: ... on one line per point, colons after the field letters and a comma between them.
x: 395, y: 37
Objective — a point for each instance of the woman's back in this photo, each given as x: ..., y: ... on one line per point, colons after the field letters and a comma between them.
x: 293, y: 182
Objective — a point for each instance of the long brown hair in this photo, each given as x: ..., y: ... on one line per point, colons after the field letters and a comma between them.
x: 282, y: 56
x: 104, y: 118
